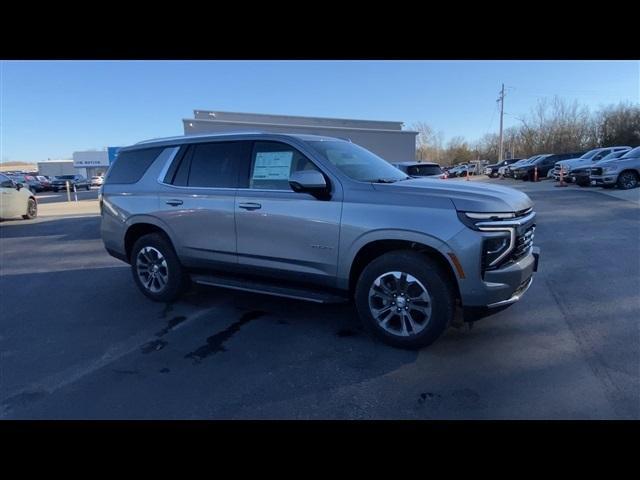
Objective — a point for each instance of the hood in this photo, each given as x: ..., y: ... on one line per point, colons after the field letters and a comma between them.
x: 476, y: 197
x: 573, y: 161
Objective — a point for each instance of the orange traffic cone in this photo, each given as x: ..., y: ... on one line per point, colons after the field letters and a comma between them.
x: 561, y: 184
x: 535, y: 174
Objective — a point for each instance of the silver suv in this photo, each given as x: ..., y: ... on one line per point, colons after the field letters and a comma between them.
x: 318, y: 219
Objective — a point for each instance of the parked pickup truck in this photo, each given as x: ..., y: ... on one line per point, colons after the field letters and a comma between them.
x: 585, y: 160
x: 582, y: 175
x: 318, y: 219
x: 623, y: 172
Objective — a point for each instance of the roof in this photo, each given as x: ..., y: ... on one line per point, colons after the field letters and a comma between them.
x: 181, y: 139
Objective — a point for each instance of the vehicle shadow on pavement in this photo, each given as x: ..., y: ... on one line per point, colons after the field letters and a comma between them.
x: 72, y: 228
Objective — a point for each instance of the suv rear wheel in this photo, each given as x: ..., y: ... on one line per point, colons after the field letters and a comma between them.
x: 405, y: 299
x: 156, y: 268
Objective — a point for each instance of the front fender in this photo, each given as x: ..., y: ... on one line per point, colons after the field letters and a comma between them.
x: 349, y: 254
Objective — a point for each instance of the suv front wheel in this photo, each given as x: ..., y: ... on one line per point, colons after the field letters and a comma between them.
x: 405, y: 299
x: 156, y: 268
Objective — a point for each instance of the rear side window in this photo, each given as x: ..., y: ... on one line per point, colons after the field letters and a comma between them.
x: 217, y: 164
x: 129, y: 167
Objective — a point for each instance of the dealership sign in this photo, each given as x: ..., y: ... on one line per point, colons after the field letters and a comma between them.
x: 90, y: 159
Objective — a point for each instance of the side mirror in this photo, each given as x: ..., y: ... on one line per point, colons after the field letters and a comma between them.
x: 19, y: 186
x: 308, y: 181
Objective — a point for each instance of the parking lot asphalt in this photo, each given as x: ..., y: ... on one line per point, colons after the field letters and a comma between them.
x: 77, y: 339
x: 59, y: 197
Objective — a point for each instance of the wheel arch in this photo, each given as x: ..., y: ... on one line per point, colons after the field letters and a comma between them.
x: 373, y: 249
x: 141, y: 227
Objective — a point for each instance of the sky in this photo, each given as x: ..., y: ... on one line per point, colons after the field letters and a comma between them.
x: 49, y: 109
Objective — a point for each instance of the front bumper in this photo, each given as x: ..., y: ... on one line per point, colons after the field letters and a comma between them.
x: 474, y: 313
x: 603, y: 179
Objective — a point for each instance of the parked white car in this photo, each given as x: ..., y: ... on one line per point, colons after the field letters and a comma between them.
x: 16, y: 200
x: 97, y: 181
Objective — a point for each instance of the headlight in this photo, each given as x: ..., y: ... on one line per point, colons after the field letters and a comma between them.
x: 495, y: 248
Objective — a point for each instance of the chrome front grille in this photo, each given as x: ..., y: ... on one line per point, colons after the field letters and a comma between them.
x: 524, y: 243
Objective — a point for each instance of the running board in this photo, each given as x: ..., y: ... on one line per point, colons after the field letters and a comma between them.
x: 297, y: 293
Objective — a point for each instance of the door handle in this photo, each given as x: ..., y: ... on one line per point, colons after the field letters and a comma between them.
x: 174, y: 203
x: 250, y: 206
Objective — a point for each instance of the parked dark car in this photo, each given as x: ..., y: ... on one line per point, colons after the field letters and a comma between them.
x: 28, y: 181
x: 60, y: 183
x: 492, y: 170
x: 420, y: 169
x: 44, y: 181
x: 543, y: 163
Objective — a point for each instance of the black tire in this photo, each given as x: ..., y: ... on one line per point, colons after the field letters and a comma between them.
x: 583, y: 183
x: 427, y: 272
x: 32, y: 209
x: 88, y: 188
x: 627, y: 180
x: 178, y: 279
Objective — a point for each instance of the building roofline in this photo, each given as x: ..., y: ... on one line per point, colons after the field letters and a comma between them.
x: 296, y: 116
x: 233, y: 122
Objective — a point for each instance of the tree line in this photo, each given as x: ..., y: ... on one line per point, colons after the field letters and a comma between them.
x: 552, y: 126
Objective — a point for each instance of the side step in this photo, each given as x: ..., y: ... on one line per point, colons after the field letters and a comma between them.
x: 297, y: 293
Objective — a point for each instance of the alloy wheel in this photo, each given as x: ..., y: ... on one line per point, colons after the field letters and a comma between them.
x: 152, y: 270
x: 400, y: 303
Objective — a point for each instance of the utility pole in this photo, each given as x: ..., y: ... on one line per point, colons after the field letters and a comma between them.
x: 501, y: 100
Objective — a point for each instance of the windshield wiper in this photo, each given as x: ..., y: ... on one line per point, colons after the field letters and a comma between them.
x: 384, y: 180
x: 389, y: 180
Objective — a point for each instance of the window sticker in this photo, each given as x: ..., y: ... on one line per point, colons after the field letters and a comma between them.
x: 272, y: 165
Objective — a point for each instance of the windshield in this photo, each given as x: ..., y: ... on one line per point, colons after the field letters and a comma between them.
x: 635, y: 152
x: 358, y: 163
x: 590, y: 154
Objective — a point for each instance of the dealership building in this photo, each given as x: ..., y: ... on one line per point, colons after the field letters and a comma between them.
x: 384, y: 138
x: 87, y: 163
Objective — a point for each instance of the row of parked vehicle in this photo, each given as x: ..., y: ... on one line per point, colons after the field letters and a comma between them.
x: 434, y: 170
x: 42, y: 183
x: 607, y: 166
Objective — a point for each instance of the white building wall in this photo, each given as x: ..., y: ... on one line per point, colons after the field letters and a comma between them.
x: 55, y: 168
x: 392, y: 145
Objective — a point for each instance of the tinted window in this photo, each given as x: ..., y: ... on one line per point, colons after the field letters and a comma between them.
x: 422, y: 170
x: 217, y: 164
x: 128, y: 167
x: 273, y: 163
